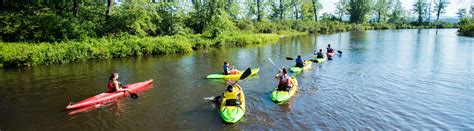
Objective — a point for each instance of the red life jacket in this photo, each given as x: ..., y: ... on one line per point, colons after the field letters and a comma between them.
x: 330, y: 50
x: 111, y: 86
x: 284, y: 80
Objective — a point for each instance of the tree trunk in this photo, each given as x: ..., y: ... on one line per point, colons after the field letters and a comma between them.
x: 1, y: 4
x: 281, y: 9
x: 378, y: 16
x: 76, y: 7
x: 259, y: 16
x: 315, y: 11
x: 109, y: 9
x: 296, y: 10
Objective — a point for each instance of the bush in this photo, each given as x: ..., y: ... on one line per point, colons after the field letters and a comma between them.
x: 466, y: 27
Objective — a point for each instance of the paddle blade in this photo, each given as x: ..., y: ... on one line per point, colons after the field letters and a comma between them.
x: 289, y: 58
x: 246, y: 74
x: 133, y: 95
x: 338, y: 51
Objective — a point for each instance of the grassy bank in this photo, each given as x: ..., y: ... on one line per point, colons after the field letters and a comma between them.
x: 30, y: 54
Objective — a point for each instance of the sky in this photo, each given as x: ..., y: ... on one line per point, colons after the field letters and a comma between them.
x: 328, y: 5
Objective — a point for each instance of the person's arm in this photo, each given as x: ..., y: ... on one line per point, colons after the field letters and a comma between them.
x: 117, y: 87
x: 277, y: 75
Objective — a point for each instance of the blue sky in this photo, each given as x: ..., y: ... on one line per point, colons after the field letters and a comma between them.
x: 328, y: 5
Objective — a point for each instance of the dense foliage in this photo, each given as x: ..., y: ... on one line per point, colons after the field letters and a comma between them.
x: 90, y: 29
x: 466, y: 27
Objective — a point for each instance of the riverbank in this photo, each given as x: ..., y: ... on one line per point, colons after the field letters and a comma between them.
x: 31, y: 54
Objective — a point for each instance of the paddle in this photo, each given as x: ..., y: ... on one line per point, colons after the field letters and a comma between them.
x: 289, y: 58
x: 244, y: 75
x: 274, y: 63
x: 133, y: 95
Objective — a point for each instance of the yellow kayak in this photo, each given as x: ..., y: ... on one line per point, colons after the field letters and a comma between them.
x: 235, y: 76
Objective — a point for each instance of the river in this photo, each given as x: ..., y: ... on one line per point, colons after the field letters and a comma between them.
x: 386, y: 79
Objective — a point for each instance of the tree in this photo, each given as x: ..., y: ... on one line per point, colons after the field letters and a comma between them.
x: 397, y: 11
x: 420, y: 9
x: 462, y: 13
x: 358, y: 10
x: 278, y: 9
x: 440, y: 8
x: 381, y: 9
x: 296, y: 4
x: 316, y: 7
x: 342, y: 8
x: 109, y: 9
x: 75, y: 8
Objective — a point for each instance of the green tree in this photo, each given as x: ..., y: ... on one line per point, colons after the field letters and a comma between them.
x: 462, y: 13
x: 397, y: 12
x: 307, y: 11
x: 358, y: 10
x: 109, y: 9
x: 420, y: 9
x: 342, y: 8
x: 296, y: 5
x: 381, y: 9
x: 440, y: 8
x: 278, y: 9
x: 316, y: 7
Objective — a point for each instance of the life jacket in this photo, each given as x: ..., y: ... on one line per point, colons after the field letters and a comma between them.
x: 230, y: 95
x: 110, y: 86
x: 284, y: 80
x: 330, y: 50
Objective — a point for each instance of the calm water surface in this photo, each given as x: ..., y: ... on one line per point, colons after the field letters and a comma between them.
x: 390, y: 79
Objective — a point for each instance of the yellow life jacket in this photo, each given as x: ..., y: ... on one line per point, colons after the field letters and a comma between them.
x: 230, y: 95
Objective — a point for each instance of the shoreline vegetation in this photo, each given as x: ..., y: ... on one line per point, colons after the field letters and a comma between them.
x: 36, y: 32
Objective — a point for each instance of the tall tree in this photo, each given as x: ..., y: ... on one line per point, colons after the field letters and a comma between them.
x: 296, y: 4
x: 259, y: 10
x: 76, y: 8
x: 342, y: 8
x: 381, y: 9
x: 420, y: 9
x: 462, y: 13
x: 397, y: 11
x: 358, y: 10
x: 109, y: 9
x: 440, y: 7
x: 316, y: 7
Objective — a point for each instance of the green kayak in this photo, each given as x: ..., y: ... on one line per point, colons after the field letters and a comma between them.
x: 232, y: 114
x: 320, y: 60
x: 307, y: 66
x: 281, y: 97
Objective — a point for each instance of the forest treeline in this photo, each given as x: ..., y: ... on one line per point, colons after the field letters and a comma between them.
x: 30, y: 29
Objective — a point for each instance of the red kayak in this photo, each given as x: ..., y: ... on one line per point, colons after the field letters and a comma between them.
x: 107, y: 97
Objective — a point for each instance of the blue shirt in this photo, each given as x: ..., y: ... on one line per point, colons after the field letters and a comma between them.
x: 299, y: 60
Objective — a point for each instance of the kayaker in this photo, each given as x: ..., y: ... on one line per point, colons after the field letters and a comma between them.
x: 319, y: 54
x: 299, y: 61
x: 232, y: 96
x: 229, y: 70
x: 329, y: 49
x: 114, y: 85
x: 284, y: 83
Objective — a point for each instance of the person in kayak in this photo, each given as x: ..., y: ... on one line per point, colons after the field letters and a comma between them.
x: 329, y: 49
x: 114, y: 85
x: 299, y: 61
x: 319, y: 54
x: 284, y: 83
x: 229, y: 70
x: 232, y: 96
